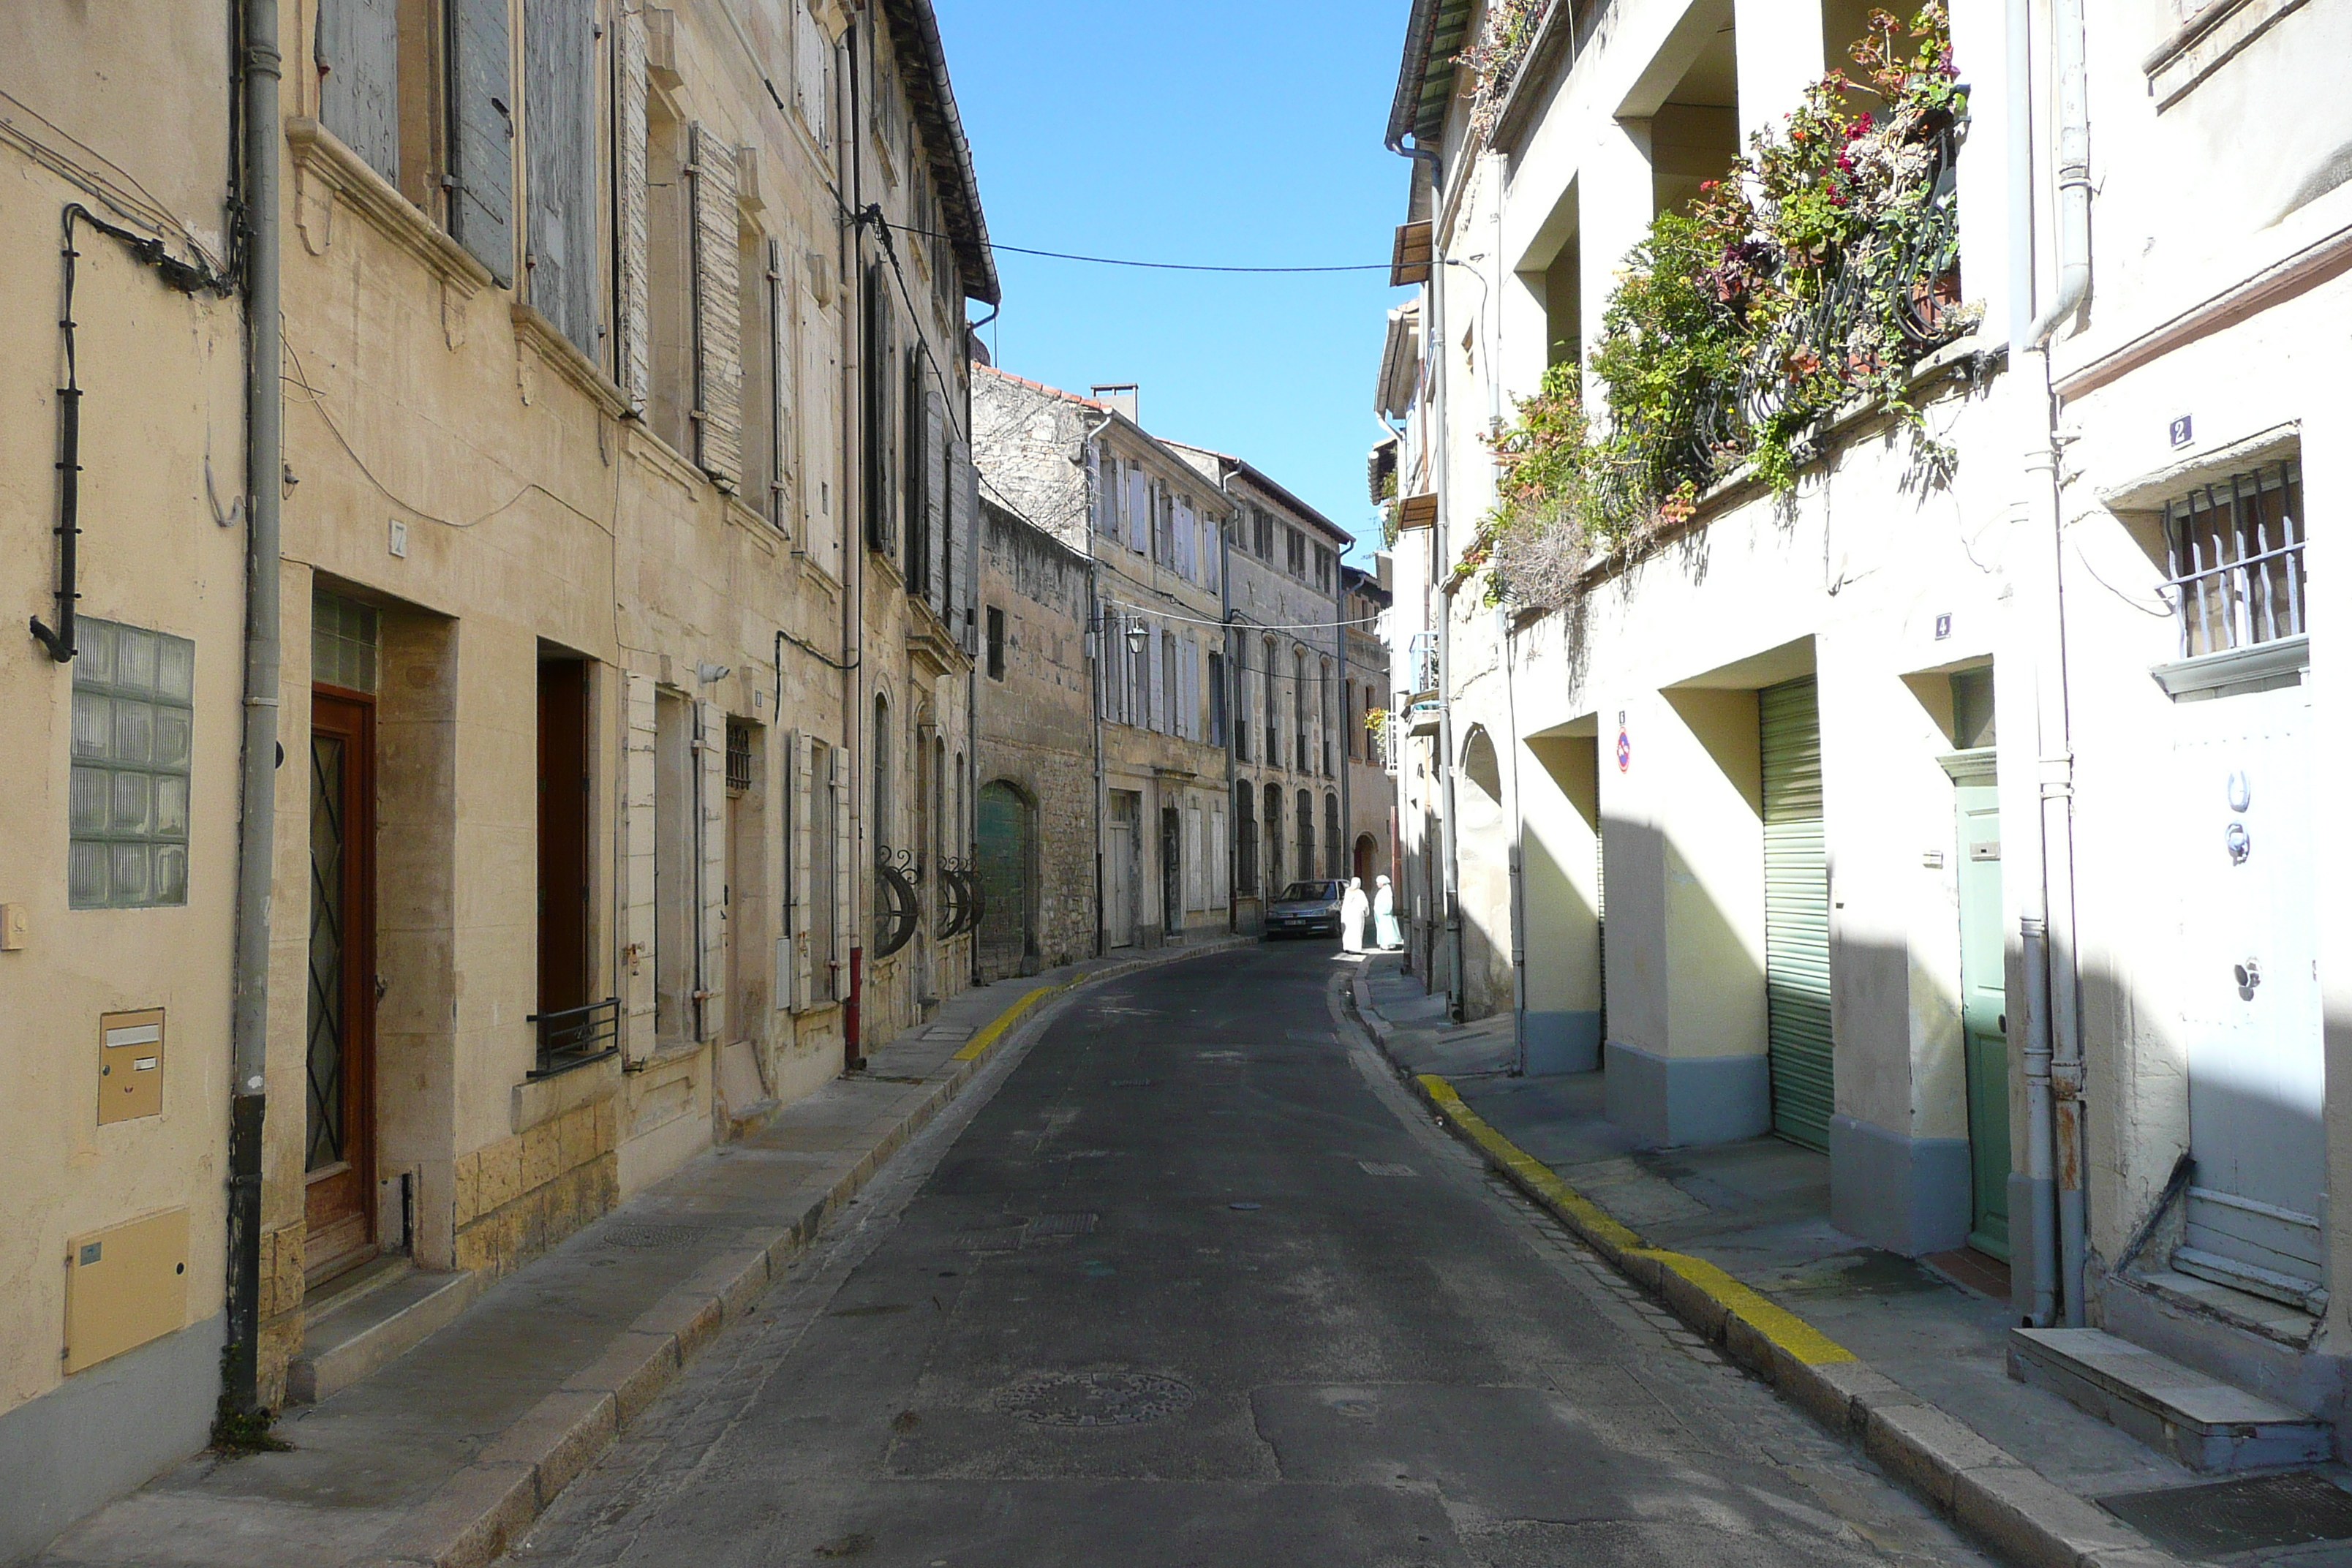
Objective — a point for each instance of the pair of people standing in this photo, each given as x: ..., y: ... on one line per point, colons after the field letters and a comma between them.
x: 1382, y: 907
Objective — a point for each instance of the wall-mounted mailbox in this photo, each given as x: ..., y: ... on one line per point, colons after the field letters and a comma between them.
x: 130, y: 1064
x: 124, y: 1286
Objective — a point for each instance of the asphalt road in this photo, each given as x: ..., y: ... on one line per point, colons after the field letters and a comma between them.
x: 1191, y: 1280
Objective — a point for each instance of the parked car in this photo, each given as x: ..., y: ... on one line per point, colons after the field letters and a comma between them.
x: 1305, y: 909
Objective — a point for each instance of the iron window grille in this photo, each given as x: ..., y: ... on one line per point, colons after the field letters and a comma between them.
x: 2235, y: 549
x: 577, y: 1036
x: 739, y: 758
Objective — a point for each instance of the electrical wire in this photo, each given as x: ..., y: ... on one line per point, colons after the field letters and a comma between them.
x: 1151, y: 266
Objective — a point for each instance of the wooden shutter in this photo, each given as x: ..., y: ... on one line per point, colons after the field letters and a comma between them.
x: 964, y: 510
x: 717, y: 310
x: 632, y: 352
x: 481, y: 134
x: 1139, y: 506
x: 845, y: 887
x: 937, y: 466
x: 358, y: 46
x: 879, y: 444
x: 1155, y: 681
x: 559, y: 42
x: 914, y: 471
x: 639, y: 919
x: 710, y: 843
x: 797, y: 891
x: 1796, y: 914
x: 810, y: 50
x: 782, y: 366
x: 1182, y: 548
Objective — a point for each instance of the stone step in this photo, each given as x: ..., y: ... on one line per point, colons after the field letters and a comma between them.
x: 2205, y: 1424
x: 358, y: 1333
x: 341, y: 1290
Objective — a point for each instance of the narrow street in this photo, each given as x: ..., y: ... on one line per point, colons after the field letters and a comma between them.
x: 1192, y: 1280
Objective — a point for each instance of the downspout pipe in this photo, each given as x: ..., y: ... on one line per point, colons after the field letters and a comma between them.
x: 849, y: 529
x: 2052, y: 1053
x: 265, y: 462
x: 1518, y: 856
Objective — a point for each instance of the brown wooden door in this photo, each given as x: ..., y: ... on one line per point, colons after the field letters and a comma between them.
x: 339, y: 1148
x: 562, y: 835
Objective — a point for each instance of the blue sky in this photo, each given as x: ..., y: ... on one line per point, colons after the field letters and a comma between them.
x: 1198, y: 131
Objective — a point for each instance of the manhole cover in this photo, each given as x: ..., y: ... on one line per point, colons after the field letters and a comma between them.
x: 1388, y: 1168
x: 990, y: 1240
x: 1064, y: 1225
x: 1130, y: 1083
x: 653, y: 1234
x: 1096, y: 1398
x: 2249, y: 1515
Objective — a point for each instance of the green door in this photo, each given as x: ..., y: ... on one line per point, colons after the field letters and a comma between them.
x: 1796, y: 914
x: 1984, y: 1005
x: 1006, y: 937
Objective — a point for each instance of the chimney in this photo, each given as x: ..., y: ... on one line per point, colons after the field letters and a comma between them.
x: 1124, y: 396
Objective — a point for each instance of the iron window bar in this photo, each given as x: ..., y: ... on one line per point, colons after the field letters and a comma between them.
x: 739, y: 758
x: 2235, y: 550
x: 576, y: 1037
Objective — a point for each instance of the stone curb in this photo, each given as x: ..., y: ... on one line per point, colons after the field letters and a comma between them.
x: 475, y: 1515
x: 1989, y: 1493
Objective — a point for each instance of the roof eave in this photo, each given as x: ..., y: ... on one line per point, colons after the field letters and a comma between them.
x: 934, y: 105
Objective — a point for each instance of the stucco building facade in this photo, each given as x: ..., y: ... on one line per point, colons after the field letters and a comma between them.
x: 1915, y: 821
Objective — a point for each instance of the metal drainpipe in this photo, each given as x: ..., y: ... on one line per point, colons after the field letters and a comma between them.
x: 2053, y: 1049
x: 1519, y: 858
x: 1228, y: 690
x: 265, y: 462
x: 850, y: 530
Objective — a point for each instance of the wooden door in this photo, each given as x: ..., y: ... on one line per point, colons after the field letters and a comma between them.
x: 2250, y: 989
x: 1984, y: 1013
x: 339, y: 1147
x: 562, y: 835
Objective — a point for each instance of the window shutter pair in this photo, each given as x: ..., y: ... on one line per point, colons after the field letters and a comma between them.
x: 559, y: 75
x: 359, y: 91
x: 717, y: 309
x: 481, y: 142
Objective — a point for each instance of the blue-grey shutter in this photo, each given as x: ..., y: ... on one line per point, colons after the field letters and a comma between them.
x: 559, y: 49
x: 938, y: 473
x: 358, y: 49
x: 1796, y: 914
x: 481, y: 134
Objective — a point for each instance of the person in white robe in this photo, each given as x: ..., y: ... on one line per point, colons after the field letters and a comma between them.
x: 1353, y: 908
x: 1386, y: 937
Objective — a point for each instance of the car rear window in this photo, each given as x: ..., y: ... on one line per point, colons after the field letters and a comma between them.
x: 1311, y: 891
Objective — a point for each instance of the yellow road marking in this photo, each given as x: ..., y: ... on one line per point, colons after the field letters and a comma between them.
x: 987, y: 1037
x: 1801, y: 1340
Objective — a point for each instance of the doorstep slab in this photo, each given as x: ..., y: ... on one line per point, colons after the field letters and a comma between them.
x: 2205, y: 1423
x: 367, y: 1335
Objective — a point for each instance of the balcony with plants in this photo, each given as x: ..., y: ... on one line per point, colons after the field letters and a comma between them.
x: 1808, y: 284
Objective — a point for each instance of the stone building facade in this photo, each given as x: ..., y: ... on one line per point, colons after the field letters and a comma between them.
x: 1084, y: 470
x: 1035, y: 812
x: 1284, y: 658
x: 1368, y: 795
x: 626, y: 693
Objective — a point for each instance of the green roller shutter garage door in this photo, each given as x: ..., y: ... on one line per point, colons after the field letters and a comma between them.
x: 1796, y: 914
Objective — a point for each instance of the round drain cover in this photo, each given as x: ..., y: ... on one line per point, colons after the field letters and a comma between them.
x: 1096, y: 1398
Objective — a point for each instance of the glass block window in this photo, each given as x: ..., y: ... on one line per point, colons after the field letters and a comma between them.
x: 133, y: 722
x: 344, y: 642
x: 2236, y: 549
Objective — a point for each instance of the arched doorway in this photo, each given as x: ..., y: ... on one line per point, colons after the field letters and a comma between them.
x: 1365, y: 850
x: 1008, y: 930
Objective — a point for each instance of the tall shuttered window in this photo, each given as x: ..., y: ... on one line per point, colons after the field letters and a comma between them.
x: 560, y: 244
x: 1796, y: 914
x: 133, y: 726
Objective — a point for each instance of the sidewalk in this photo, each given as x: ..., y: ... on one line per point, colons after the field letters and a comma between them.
x: 444, y: 1456
x: 1903, y: 1357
